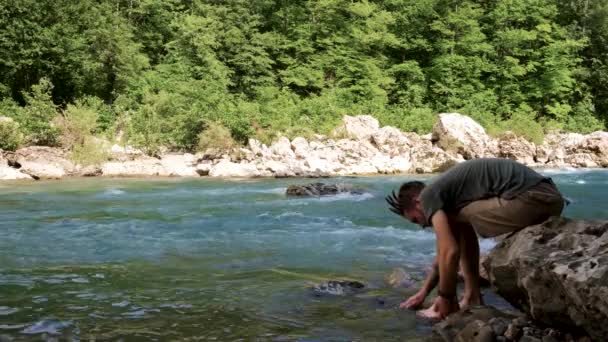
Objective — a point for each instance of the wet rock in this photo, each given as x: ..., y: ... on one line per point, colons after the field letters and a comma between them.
x: 320, y: 189
x: 338, y: 288
x: 468, y: 324
x: 399, y: 278
x: 485, y: 323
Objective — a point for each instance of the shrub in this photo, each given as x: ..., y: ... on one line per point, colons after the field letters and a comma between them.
x: 90, y: 152
x: 10, y: 136
x: 76, y: 125
x: 216, y: 136
x: 522, y: 123
x: 36, y: 118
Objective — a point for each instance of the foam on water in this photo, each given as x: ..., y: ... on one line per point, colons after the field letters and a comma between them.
x: 5, y: 310
x: 52, y: 327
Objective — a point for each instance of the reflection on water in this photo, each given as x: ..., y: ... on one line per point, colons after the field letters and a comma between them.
x: 177, y: 259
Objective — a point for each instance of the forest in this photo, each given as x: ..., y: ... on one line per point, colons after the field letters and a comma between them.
x: 184, y: 74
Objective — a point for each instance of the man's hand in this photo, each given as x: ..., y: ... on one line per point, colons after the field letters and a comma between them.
x: 414, y: 301
x: 440, y: 309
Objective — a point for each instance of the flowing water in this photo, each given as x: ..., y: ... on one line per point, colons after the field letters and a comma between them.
x: 202, y: 259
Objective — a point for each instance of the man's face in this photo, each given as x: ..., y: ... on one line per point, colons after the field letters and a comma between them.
x: 416, y: 215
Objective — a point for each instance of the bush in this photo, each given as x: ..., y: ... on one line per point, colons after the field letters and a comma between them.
x: 36, y: 118
x: 10, y: 136
x: 76, y: 125
x: 215, y: 136
x: 90, y: 152
x: 522, y: 123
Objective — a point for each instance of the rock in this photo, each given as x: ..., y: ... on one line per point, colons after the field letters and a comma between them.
x: 278, y: 169
x: 203, y: 169
x: 338, y: 288
x: 320, y: 189
x: 91, y: 171
x: 477, y: 331
x: 10, y: 173
x: 399, y: 278
x: 557, y: 273
x: 460, y: 134
x: 229, y: 169
x: 466, y: 324
x: 139, y: 167
x: 359, y: 127
x: 41, y: 162
x: 281, y: 149
x: 391, y: 141
x: 258, y: 148
x: 183, y: 165
x: 300, y: 147
x: 517, y: 148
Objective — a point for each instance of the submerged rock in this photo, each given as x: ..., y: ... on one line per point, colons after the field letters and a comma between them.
x: 399, y: 278
x: 338, y: 288
x: 321, y: 189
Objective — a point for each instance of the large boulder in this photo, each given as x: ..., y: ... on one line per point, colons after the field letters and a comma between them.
x: 357, y: 127
x: 281, y: 149
x: 390, y: 140
x: 460, y: 134
x: 517, y: 148
x: 557, y: 272
x: 42, y: 162
x: 183, y: 165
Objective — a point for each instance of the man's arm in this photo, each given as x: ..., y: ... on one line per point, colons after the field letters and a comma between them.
x: 432, y: 278
x: 448, y: 254
x: 429, y: 284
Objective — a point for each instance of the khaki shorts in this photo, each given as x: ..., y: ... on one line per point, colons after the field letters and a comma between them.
x: 495, y: 216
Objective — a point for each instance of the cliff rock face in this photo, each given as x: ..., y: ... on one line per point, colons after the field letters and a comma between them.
x: 557, y: 272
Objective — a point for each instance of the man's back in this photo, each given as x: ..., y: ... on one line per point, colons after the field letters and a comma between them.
x: 477, y: 179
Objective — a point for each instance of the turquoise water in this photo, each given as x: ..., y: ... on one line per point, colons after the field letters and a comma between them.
x: 202, y: 259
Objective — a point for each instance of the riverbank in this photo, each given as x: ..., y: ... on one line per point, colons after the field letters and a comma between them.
x: 363, y: 149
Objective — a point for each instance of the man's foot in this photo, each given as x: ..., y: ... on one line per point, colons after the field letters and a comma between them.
x: 472, y: 301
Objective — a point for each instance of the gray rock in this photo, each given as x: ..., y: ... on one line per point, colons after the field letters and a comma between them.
x: 320, y: 189
x: 338, y: 288
x: 557, y: 272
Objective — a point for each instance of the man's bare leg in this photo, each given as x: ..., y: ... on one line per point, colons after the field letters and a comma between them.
x: 469, y: 263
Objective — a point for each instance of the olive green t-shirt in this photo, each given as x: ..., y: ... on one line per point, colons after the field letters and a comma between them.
x: 477, y: 179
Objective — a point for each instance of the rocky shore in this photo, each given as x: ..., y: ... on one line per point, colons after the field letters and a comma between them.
x: 365, y: 149
x: 556, y: 273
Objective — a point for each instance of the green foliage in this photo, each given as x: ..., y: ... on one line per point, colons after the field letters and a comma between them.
x: 158, y: 71
x: 36, y: 118
x: 78, y: 122
x: 10, y: 136
x: 522, y: 123
x: 215, y: 136
x: 89, y: 152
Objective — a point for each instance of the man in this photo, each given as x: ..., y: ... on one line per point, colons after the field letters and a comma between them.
x: 489, y: 197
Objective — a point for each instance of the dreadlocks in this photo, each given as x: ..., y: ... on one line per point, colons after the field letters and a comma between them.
x: 405, y: 200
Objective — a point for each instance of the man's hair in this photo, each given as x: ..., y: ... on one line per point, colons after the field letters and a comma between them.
x: 408, y: 192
